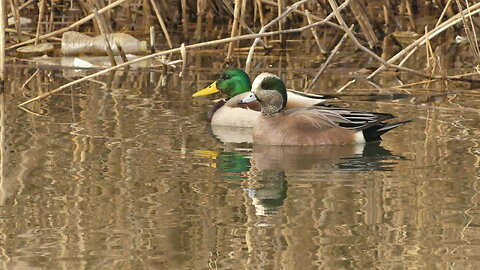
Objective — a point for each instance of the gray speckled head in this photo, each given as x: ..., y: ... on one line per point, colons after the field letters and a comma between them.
x: 270, y: 92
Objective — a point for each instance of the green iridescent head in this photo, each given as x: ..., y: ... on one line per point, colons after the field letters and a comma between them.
x: 232, y: 82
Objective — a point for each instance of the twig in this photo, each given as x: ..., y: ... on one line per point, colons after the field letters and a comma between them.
x: 410, y: 15
x: 40, y: 17
x: 16, y: 16
x: 329, y: 59
x: 280, y: 4
x: 339, y: 90
x: 152, y: 39
x: 29, y: 79
x: 121, y: 52
x: 183, y: 52
x: 443, y: 13
x: 162, y: 24
x: 184, y: 17
x: 358, y: 10
x: 101, y: 26
x: 417, y: 83
x: 314, y: 32
x: 236, y: 15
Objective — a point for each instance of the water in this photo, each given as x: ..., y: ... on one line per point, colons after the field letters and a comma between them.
x: 131, y: 177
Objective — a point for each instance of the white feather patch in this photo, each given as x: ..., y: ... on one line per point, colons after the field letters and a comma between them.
x: 359, y: 138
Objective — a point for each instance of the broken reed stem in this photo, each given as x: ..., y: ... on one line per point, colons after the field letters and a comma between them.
x: 152, y: 39
x: 421, y: 40
x: 175, y: 50
x: 29, y: 79
x: 183, y: 53
x: 201, y: 5
x: 258, y: 5
x: 52, y: 15
x: 410, y: 15
x: 101, y: 26
x: 327, y: 62
x: 361, y: 16
x: 345, y: 86
x: 40, y: 17
x: 314, y: 32
x: 242, y: 15
x: 121, y: 52
x: 16, y: 16
x: 162, y: 23
x: 236, y: 15
x: 443, y: 13
x: 70, y: 27
x: 184, y: 17
x: 280, y: 4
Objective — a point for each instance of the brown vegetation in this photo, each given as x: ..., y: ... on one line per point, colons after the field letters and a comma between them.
x: 206, y: 23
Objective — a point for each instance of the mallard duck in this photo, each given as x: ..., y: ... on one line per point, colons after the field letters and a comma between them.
x: 235, y: 83
x: 315, y: 125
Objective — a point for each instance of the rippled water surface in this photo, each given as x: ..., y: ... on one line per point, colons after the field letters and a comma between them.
x: 124, y: 173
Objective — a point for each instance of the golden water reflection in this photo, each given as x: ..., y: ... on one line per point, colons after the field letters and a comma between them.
x: 130, y: 177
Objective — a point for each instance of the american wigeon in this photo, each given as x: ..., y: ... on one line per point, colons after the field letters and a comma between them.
x: 315, y: 125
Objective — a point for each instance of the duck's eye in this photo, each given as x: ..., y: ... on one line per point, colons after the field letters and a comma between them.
x: 225, y: 77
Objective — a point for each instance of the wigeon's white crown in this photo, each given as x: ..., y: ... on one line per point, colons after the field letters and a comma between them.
x: 257, y: 83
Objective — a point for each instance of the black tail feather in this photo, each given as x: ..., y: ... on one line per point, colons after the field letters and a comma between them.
x: 374, y: 132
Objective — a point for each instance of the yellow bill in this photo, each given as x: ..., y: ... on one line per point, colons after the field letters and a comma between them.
x: 206, y: 153
x: 211, y: 89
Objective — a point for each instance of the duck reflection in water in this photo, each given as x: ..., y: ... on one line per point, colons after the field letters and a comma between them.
x: 269, y: 167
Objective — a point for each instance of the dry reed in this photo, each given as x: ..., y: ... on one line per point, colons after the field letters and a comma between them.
x: 287, y: 16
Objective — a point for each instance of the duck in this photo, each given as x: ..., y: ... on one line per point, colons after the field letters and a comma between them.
x: 235, y: 83
x: 315, y: 125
